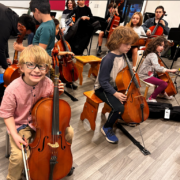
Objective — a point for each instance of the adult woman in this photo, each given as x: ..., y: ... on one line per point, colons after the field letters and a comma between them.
x: 70, y: 4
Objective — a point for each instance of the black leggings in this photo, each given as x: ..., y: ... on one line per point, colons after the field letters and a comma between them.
x: 114, y: 103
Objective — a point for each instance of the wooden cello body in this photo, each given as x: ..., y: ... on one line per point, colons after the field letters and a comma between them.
x: 136, y: 109
x: 12, y: 72
x: 115, y: 23
x: 50, y: 157
x: 68, y: 70
x: 170, y: 90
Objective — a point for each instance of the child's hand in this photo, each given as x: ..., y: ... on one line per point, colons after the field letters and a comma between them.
x: 18, y: 47
x: 71, y: 53
x: 60, y: 87
x: 120, y: 96
x: 18, y: 140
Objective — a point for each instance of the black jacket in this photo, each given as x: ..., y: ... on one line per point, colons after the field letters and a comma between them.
x: 8, y: 21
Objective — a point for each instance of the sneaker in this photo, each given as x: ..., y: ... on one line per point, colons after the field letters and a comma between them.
x: 110, y: 136
x: 165, y: 96
x: 150, y: 99
x: 99, y: 52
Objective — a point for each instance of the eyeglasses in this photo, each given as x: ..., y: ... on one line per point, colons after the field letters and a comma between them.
x: 31, y: 65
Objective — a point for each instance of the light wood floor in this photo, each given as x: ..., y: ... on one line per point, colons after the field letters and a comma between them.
x: 96, y: 159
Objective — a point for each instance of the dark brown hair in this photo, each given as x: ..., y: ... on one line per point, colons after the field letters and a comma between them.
x: 121, y: 35
x: 154, y: 43
x: 73, y: 3
x: 56, y: 22
x: 111, y: 5
x: 160, y: 7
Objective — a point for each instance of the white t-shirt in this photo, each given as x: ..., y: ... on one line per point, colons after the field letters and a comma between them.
x: 139, y: 30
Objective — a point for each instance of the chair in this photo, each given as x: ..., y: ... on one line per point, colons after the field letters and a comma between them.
x: 140, y: 53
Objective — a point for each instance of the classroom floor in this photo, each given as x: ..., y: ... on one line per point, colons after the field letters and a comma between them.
x: 96, y: 159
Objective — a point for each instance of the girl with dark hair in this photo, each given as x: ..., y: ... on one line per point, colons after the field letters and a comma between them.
x: 70, y: 4
x: 151, y: 64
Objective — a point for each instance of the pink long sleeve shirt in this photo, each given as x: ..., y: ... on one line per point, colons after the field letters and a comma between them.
x: 19, y: 99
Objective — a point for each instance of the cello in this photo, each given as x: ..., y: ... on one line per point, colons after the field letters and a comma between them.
x: 113, y: 23
x: 50, y: 157
x: 157, y: 30
x: 12, y: 72
x: 68, y: 70
x: 170, y: 90
x: 136, y: 109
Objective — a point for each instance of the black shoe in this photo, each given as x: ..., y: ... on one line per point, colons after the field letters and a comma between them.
x: 71, y: 171
x: 71, y: 86
x: 99, y: 52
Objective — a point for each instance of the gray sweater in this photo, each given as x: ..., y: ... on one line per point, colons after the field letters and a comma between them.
x: 111, y: 65
x: 150, y: 63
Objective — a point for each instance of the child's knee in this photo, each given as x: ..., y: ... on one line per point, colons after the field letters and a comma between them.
x: 119, y: 109
x: 164, y: 84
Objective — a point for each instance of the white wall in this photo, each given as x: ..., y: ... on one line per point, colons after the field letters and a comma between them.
x: 98, y: 8
x: 171, y: 8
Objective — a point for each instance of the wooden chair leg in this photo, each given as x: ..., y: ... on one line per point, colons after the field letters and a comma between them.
x: 90, y: 112
x: 146, y: 91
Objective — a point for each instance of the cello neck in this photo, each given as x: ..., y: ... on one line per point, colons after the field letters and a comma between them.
x: 132, y: 73
x: 63, y: 40
x: 154, y: 31
x: 55, y: 120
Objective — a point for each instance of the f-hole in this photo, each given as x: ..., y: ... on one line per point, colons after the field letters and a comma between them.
x: 43, y: 144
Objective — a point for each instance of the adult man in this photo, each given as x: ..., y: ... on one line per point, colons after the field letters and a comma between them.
x: 9, y: 21
x: 153, y: 21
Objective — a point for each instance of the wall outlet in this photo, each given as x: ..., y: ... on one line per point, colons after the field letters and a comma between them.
x: 96, y: 5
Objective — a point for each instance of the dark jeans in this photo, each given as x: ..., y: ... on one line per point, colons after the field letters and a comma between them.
x: 114, y: 103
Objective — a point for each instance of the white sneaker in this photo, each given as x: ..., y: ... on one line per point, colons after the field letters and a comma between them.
x: 165, y: 96
x: 151, y: 100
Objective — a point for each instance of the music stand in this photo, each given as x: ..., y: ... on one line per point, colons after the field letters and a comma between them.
x: 174, y: 34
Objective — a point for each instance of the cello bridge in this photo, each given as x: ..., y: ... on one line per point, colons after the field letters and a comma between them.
x: 138, y: 96
x: 56, y: 145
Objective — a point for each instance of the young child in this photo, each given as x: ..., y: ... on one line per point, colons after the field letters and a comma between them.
x: 70, y: 4
x: 135, y: 23
x: 61, y: 53
x: 19, y: 99
x: 111, y: 10
x: 45, y: 34
x: 150, y: 65
x: 105, y: 88
x: 81, y: 11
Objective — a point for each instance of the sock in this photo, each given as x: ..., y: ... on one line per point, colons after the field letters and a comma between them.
x: 99, y: 47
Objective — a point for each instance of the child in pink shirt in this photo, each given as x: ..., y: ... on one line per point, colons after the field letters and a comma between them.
x: 19, y: 99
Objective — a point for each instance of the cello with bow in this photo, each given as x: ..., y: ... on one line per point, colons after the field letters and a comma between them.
x: 12, y: 72
x: 113, y: 23
x: 136, y: 109
x: 50, y: 157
